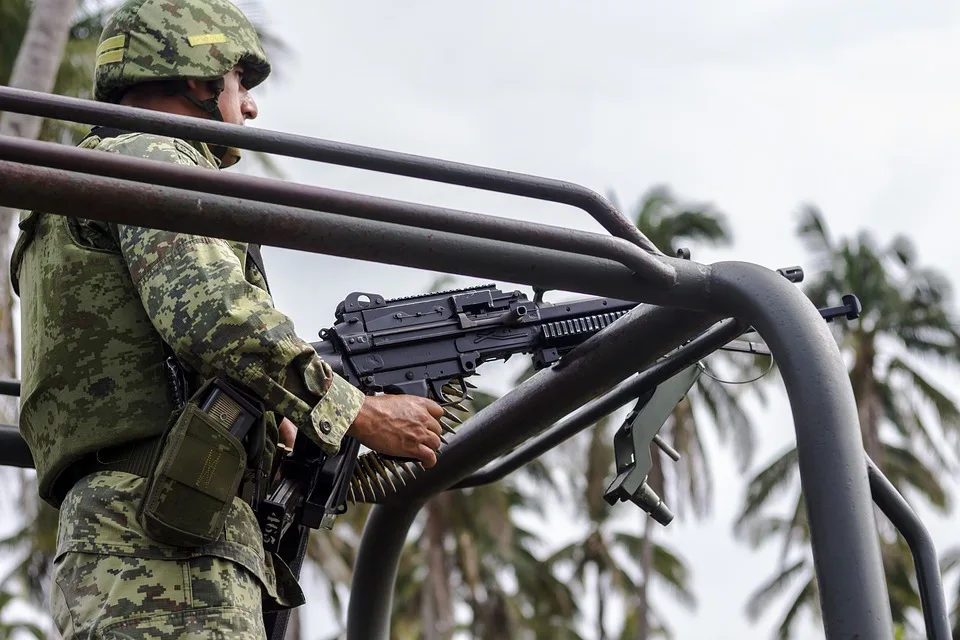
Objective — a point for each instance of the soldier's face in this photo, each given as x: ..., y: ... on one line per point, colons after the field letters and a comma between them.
x: 236, y: 104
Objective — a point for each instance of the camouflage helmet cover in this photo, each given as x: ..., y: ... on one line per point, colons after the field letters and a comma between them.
x: 150, y: 40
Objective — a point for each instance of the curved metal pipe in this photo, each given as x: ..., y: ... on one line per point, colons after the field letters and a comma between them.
x: 584, y: 374
x: 833, y: 471
x: 111, y: 165
x: 339, y: 153
x: 627, y: 391
x: 936, y: 618
x: 110, y: 199
x: 844, y: 539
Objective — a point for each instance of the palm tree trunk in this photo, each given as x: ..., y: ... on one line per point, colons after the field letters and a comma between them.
x: 646, y: 566
x: 869, y: 408
x: 602, y: 633
x: 35, y: 69
x: 437, y: 599
x: 657, y: 483
x: 38, y: 60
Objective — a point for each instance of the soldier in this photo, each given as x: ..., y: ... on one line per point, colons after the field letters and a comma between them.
x: 115, y: 317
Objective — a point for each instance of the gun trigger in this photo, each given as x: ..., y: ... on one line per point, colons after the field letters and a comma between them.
x: 436, y: 388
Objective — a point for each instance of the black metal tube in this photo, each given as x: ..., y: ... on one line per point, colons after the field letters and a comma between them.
x: 56, y: 156
x: 13, y: 448
x: 833, y: 472
x: 932, y: 600
x: 629, y: 344
x: 109, y: 199
x: 701, y: 346
x: 339, y: 153
x: 9, y: 387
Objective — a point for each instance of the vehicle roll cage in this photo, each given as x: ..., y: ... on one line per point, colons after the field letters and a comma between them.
x: 685, y: 303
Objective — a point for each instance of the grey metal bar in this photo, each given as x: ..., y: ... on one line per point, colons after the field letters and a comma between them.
x: 844, y: 540
x: 585, y: 373
x: 109, y: 199
x: 56, y: 156
x: 112, y: 115
x: 833, y: 471
x: 14, y: 447
x: 9, y: 387
x: 936, y: 618
x: 625, y: 392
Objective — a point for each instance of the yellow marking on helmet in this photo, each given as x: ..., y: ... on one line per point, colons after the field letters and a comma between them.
x: 116, y: 42
x: 209, y: 38
x: 110, y: 56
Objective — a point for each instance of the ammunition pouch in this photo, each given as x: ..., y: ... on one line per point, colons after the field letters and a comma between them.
x: 201, y: 463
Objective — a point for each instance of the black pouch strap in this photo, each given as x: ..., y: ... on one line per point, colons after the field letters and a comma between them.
x: 135, y: 457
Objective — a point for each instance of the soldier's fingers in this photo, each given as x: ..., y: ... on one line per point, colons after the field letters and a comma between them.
x: 288, y: 432
x: 433, y: 426
x: 433, y: 408
x: 427, y: 456
x: 431, y: 439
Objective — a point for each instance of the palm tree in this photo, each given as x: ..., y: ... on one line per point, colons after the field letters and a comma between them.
x: 607, y: 554
x: 902, y: 414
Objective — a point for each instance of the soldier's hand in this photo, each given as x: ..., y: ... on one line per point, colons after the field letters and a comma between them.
x: 285, y: 441
x: 399, y: 425
x: 288, y: 434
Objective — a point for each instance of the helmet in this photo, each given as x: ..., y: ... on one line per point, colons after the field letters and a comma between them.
x: 150, y: 40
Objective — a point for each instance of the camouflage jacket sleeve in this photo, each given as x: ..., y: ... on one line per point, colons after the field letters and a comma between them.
x: 196, y: 294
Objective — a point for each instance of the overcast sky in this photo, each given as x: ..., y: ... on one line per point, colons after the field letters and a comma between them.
x: 755, y: 106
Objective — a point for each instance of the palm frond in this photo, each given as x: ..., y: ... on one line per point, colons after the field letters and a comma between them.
x: 775, y: 478
x: 805, y: 599
x: 773, y: 588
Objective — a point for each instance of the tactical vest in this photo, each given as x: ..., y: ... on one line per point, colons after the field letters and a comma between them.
x: 92, y: 372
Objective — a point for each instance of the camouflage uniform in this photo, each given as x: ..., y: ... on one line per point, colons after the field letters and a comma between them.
x: 98, y: 302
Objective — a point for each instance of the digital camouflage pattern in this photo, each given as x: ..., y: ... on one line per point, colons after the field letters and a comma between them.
x: 150, y: 40
x: 96, y: 302
x: 94, y: 315
x: 112, y: 581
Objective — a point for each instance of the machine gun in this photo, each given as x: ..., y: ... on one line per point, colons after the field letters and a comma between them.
x: 423, y: 345
x: 428, y: 345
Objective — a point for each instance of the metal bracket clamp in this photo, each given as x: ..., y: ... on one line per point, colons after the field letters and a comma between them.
x: 632, y: 442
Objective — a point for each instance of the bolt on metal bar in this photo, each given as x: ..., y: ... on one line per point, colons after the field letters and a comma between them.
x: 627, y: 391
x: 56, y: 156
x: 108, y: 199
x: 326, y: 151
x: 932, y: 600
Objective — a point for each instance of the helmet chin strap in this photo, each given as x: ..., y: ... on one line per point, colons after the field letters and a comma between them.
x: 227, y: 156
